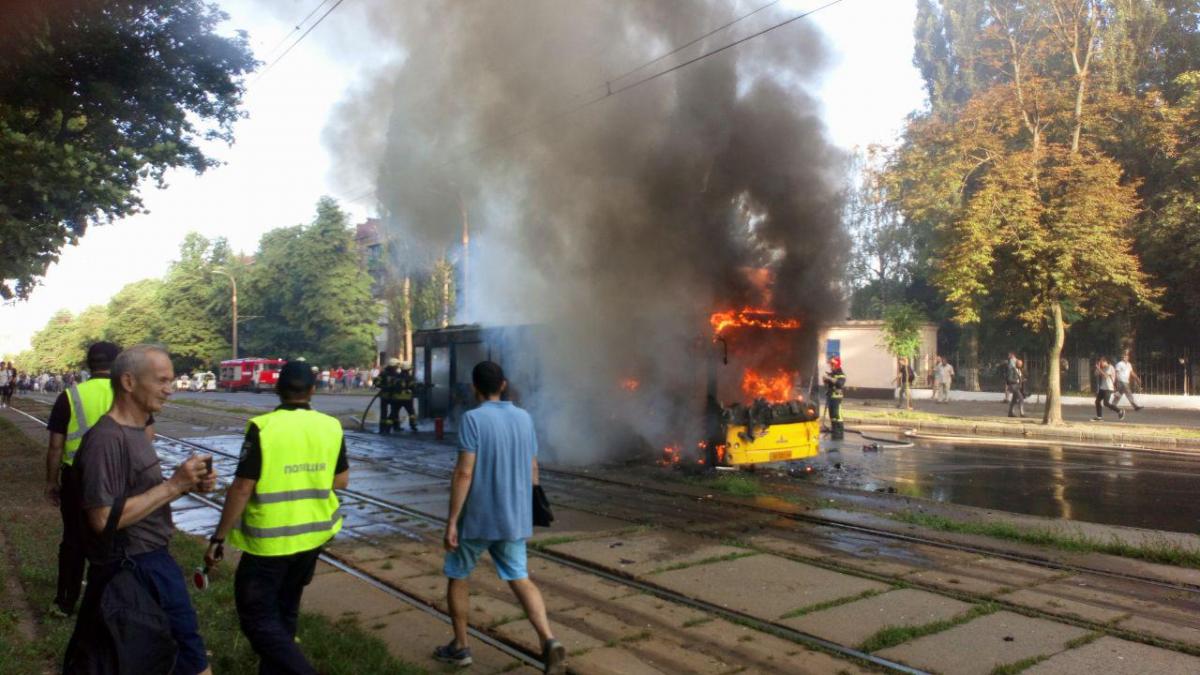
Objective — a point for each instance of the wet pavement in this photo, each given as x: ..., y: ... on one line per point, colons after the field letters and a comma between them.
x: 1113, y: 487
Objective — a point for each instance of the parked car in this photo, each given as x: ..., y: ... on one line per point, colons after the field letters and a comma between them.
x: 205, y: 381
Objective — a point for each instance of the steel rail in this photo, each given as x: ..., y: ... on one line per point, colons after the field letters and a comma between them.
x: 750, y: 620
x: 342, y: 565
x: 976, y: 549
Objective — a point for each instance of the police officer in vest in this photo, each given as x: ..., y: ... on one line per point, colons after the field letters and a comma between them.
x: 835, y: 391
x: 280, y: 510
x: 74, y: 412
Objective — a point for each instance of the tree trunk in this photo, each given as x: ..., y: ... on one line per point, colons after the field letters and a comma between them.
x: 970, y: 344
x: 407, y: 319
x: 1053, y: 414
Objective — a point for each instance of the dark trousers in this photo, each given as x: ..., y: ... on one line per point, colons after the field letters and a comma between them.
x: 1102, y: 397
x: 389, y: 417
x: 1016, y: 405
x: 837, y: 430
x: 267, y: 591
x: 71, y: 560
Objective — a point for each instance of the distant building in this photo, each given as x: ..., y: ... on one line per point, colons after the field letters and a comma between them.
x: 372, y: 251
x: 869, y: 367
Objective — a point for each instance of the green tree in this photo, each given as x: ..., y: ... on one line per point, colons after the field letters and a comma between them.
x: 195, y: 324
x: 312, y: 294
x: 57, y: 346
x: 1033, y: 219
x: 135, y: 314
x: 96, y: 97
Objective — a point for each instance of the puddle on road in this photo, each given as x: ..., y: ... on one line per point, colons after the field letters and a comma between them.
x: 1115, y: 487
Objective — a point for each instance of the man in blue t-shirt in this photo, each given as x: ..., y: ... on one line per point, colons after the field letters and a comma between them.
x: 491, y: 509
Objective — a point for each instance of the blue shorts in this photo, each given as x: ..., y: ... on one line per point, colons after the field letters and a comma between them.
x: 164, y: 579
x: 509, y: 557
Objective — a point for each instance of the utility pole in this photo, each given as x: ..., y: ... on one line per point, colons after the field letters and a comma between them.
x: 466, y: 253
x: 233, y: 283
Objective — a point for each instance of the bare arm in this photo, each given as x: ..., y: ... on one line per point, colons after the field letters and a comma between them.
x: 236, y: 498
x: 191, y: 474
x: 342, y: 480
x: 54, y: 453
x: 536, y: 481
x: 460, y: 484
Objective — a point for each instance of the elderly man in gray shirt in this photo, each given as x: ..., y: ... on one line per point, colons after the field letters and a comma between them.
x: 117, y: 461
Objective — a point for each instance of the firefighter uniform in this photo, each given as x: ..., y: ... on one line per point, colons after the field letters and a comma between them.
x: 293, y: 454
x: 835, y: 391
x: 87, y: 403
x: 396, y: 387
x: 408, y: 385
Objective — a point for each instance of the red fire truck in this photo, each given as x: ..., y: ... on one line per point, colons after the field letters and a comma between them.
x: 252, y: 373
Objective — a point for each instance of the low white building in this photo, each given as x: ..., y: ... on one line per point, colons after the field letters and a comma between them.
x: 870, y: 369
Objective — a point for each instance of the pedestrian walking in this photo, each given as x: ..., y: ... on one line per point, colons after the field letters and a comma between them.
x: 75, y: 411
x: 835, y: 391
x: 905, y: 377
x: 6, y: 384
x: 1013, y: 385
x: 1106, y: 376
x: 280, y: 510
x: 127, y: 512
x: 491, y: 509
x: 943, y: 376
x: 1126, y: 379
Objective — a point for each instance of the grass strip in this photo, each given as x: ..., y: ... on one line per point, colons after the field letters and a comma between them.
x: 31, y: 529
x: 705, y: 561
x: 830, y: 604
x: 891, y: 636
x: 731, y: 484
x: 1161, y: 551
x: 1019, y: 666
x: 205, y: 405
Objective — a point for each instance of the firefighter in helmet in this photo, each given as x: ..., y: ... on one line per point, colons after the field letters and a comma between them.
x: 389, y: 397
x: 835, y: 391
x: 408, y: 386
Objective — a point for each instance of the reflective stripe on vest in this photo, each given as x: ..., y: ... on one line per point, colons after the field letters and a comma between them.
x: 294, y: 507
x: 89, y: 402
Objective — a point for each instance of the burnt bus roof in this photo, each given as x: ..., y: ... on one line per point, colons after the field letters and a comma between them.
x: 467, y: 333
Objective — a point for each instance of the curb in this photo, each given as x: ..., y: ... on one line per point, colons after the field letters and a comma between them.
x: 1040, y: 433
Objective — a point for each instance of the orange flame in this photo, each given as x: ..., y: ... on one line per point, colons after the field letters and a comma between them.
x: 670, y: 456
x: 630, y: 384
x: 775, y: 387
x: 748, y: 316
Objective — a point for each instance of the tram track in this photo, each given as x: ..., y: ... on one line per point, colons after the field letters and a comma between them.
x: 867, y: 530
x: 758, y: 623
x: 516, y: 651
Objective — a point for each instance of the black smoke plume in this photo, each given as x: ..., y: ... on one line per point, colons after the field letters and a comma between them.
x: 619, y: 228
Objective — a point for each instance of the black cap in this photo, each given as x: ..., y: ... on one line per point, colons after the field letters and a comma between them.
x: 101, y: 355
x: 296, y: 376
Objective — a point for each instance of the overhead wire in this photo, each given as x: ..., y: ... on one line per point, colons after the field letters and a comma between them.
x: 296, y: 29
x: 610, y: 91
x: 262, y: 73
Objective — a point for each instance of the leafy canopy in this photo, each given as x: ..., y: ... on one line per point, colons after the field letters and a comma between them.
x: 97, y: 96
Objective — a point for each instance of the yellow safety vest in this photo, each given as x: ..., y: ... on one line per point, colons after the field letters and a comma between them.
x: 89, y: 402
x: 294, y: 507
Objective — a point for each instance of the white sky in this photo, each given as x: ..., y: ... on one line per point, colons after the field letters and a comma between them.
x: 279, y: 166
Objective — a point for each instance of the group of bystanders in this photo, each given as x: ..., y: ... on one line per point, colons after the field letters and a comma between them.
x: 104, y: 474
